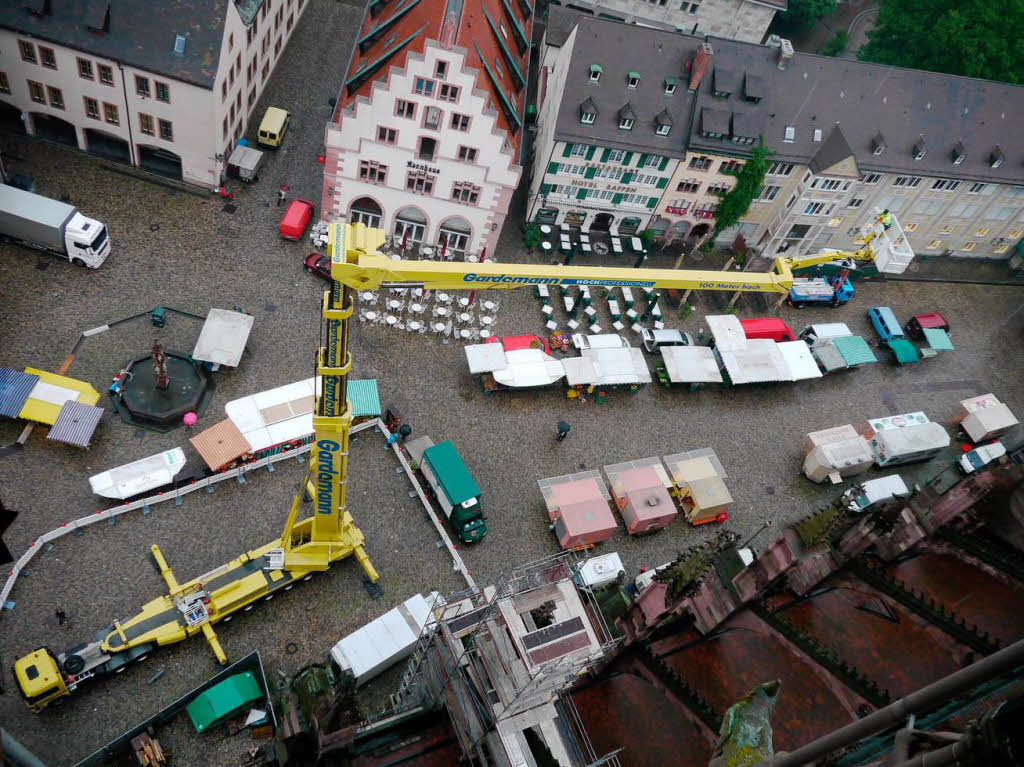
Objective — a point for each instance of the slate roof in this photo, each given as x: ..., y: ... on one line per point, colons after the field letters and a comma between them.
x: 812, y: 92
x: 834, y: 149
x: 391, y: 30
x: 138, y: 33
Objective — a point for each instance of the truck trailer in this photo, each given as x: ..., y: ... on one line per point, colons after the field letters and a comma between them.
x: 820, y: 290
x: 452, y: 486
x: 55, y: 227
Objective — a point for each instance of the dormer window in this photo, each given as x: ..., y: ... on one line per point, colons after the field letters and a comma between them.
x: 996, y: 158
x: 817, y: 135
x: 725, y: 83
x: 633, y: 79
x: 587, y: 118
x: 626, y: 117
x: 595, y: 73
x: 878, y: 144
x: 920, y: 149
x: 663, y: 130
x: 588, y: 111
x: 790, y: 135
x: 959, y: 153
x: 670, y: 86
x: 663, y: 123
x: 625, y: 123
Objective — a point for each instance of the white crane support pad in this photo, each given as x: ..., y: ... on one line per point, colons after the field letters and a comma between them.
x: 223, y: 337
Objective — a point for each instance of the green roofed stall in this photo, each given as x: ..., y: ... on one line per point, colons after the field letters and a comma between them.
x: 455, y: 479
x: 903, y: 350
x: 854, y: 350
x: 364, y: 398
x: 212, y: 707
x: 938, y: 339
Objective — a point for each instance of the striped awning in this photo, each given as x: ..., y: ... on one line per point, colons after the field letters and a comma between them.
x: 364, y: 398
x: 75, y: 423
x: 15, y: 387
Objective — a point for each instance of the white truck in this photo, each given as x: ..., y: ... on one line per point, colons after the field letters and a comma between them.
x: 56, y: 227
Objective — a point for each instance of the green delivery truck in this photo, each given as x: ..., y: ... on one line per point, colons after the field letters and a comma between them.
x: 451, y: 485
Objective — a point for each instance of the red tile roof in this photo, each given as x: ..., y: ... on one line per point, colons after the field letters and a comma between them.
x: 392, y: 29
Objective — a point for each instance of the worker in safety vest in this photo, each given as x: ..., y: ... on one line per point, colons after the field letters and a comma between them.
x: 885, y: 219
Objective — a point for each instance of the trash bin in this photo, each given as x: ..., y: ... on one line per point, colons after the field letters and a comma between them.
x: 159, y: 317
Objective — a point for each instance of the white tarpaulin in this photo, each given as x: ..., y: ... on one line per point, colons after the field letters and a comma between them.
x: 607, y: 367
x: 274, y: 416
x: 139, y: 476
x: 485, y: 358
x: 727, y: 332
x: 223, y: 337
x: 528, y: 367
x: 799, y: 360
x: 758, y: 361
x: 690, y: 364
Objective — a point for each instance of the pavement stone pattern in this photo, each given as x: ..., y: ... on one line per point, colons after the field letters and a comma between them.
x: 200, y: 257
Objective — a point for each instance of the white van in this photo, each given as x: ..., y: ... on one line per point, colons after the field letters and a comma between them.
x: 655, y: 339
x: 599, y: 341
x: 980, y: 456
x: 824, y: 330
x: 864, y: 495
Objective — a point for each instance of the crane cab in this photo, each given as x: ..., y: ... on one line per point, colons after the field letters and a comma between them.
x: 39, y: 679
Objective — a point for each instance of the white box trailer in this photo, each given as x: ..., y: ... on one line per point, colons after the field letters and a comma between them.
x: 907, y: 444
x: 835, y: 461
x: 55, y: 227
x: 381, y: 643
x: 986, y: 418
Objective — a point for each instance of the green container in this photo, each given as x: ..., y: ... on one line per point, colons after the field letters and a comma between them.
x: 159, y: 317
x: 213, y: 706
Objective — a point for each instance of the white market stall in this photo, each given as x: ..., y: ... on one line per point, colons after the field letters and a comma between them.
x: 139, y: 476
x: 223, y: 338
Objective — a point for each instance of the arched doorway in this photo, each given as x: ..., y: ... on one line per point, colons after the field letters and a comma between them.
x: 454, y: 234
x: 105, y: 145
x: 10, y: 119
x: 679, y: 229
x: 602, y: 222
x: 365, y: 210
x: 659, y: 226
x: 160, y: 161
x: 50, y: 128
x: 410, y: 227
x: 698, y: 231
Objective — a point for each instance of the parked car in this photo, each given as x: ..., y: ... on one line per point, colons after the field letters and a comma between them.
x: 884, y: 322
x: 273, y: 126
x: 975, y: 459
x: 655, y: 339
x: 823, y: 331
x: 919, y: 322
x: 514, y: 343
x: 599, y: 341
x: 295, y: 219
x: 318, y: 264
x: 767, y: 327
x: 864, y: 495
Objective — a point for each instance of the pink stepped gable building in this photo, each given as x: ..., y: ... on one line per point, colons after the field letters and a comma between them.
x: 425, y: 138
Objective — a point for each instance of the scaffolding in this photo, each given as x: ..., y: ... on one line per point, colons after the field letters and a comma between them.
x: 501, y: 659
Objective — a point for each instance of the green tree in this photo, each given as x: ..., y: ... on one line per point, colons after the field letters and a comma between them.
x: 802, y: 14
x: 748, y: 186
x: 836, y: 44
x: 974, y: 38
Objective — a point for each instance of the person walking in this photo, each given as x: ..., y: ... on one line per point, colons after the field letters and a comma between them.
x: 62, y: 618
x: 282, y: 194
x: 563, y: 431
x: 404, y: 431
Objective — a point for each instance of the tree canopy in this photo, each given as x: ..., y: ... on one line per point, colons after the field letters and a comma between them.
x: 975, y: 38
x: 748, y: 187
x: 801, y: 14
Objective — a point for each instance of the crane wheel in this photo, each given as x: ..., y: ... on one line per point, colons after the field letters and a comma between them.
x: 74, y: 664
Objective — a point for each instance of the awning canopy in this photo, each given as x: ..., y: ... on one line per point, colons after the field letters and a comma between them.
x: 223, y: 337
x: 854, y: 350
x: 15, y: 388
x: 938, y: 339
x: 690, y: 364
x: 75, y: 423
x: 903, y: 350
x: 801, y: 364
x: 759, y: 361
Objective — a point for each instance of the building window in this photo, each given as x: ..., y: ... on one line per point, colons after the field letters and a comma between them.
x: 440, y: 69
x: 871, y: 178
x: 56, y: 97
x: 47, y: 57
x: 291, y: 21
x: 579, y: 150
x: 976, y: 188
x: 790, y: 135
x: 721, y: 190
x: 701, y: 163
x: 730, y: 168
x: 911, y: 182
x: 423, y: 86
x: 780, y: 169
x: 945, y: 184
x: 142, y: 85
x: 386, y: 135
x: 277, y: 47
x: 146, y: 124
x: 856, y: 202
x: 626, y: 123
x: 36, y: 92
x: 418, y: 181
x: 1002, y: 248
x: 405, y: 108
x: 663, y: 130
x: 690, y: 186
x: 106, y: 74
x: 595, y: 73
x: 645, y: 179
x: 85, y: 68
x: 166, y: 130
x: 934, y: 244
x: 613, y: 172
x: 690, y: 6
x: 110, y: 114
x: 163, y: 93
x: 670, y: 87
x: 223, y: 90
x: 769, y: 192
x: 633, y: 80
x: 448, y: 92
x: 910, y: 227
x: 427, y: 149
x: 616, y: 155
x: 28, y: 51
x: 587, y: 118
x: 252, y: 97
x: 372, y: 172
x: 432, y: 118
x: 815, y: 208
x: 969, y: 246
x: 460, y: 122
x: 467, y: 154
x: 5, y: 84
x: 463, y: 191
x: 652, y: 161
x: 92, y: 108
x: 224, y: 129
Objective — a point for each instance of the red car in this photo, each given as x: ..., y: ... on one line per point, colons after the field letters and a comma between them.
x: 295, y: 220
x: 318, y: 264
x: 530, y: 341
x: 921, y: 321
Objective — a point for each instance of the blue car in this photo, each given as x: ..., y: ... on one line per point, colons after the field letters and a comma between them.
x: 885, y: 323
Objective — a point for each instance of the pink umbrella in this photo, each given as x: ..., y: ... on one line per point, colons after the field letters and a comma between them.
x: 189, y: 419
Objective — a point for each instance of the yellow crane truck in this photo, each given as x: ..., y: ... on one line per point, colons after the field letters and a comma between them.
x: 329, y: 534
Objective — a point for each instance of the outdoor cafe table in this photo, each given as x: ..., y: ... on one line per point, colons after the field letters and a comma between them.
x: 545, y: 246
x: 545, y: 229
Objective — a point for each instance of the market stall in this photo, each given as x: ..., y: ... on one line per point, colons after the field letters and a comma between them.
x: 698, y: 477
x: 578, y: 507
x: 223, y: 338
x: 842, y: 353
x: 756, y: 361
x: 607, y: 367
x: 139, y: 476
x: 640, y: 490
x: 985, y: 418
x: 798, y: 358
x: 512, y: 369
x: 690, y: 364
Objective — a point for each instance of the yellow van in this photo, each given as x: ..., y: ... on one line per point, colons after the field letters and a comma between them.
x: 273, y: 127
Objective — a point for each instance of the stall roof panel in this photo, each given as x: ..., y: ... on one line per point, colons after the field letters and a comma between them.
x: 75, y: 423
x: 903, y: 350
x: 15, y: 388
x: 364, y: 397
x: 607, y: 367
x: 51, y: 392
x: 854, y: 350
x: 830, y: 358
x: 691, y: 364
x: 485, y: 358
x: 709, y: 492
x: 245, y: 157
x: 938, y: 339
x: 797, y: 355
x: 558, y: 489
x: 529, y: 367
x: 451, y: 472
x: 694, y: 464
x: 727, y: 332
x: 139, y: 476
x: 912, y: 439
x: 631, y: 476
x: 983, y: 423
x: 223, y: 337
x: 220, y: 444
x: 759, y: 361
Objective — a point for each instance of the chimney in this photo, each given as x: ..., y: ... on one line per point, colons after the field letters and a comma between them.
x: 701, y: 61
x: 785, y: 53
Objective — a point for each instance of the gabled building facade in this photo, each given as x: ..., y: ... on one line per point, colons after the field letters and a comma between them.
x: 425, y: 138
x: 163, y: 87
x: 847, y: 139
